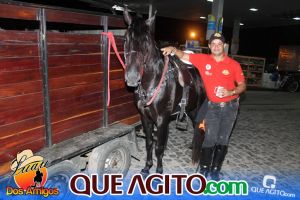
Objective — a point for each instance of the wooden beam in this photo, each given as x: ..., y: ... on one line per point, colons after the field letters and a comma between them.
x: 18, y: 12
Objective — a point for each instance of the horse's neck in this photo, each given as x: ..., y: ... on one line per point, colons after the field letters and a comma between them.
x: 153, y: 70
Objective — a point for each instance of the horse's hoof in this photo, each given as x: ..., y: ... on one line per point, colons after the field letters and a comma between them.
x: 159, y: 170
x: 145, y: 173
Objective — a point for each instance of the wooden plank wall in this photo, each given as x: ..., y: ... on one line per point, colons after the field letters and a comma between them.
x: 21, y: 96
x: 121, y: 106
x: 75, y: 81
x: 72, y: 17
x: 18, y: 12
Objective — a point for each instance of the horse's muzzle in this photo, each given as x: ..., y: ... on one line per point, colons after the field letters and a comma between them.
x: 131, y: 84
x: 132, y: 80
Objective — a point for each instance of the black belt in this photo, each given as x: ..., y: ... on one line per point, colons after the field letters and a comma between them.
x: 222, y: 104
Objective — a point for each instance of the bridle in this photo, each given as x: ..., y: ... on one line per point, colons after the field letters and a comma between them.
x: 147, y: 97
x: 111, y: 42
x: 129, y: 53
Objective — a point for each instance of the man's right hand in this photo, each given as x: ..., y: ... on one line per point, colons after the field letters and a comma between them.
x: 168, y: 50
x: 173, y: 51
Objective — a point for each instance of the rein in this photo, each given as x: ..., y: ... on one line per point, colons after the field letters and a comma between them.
x: 112, y: 42
x: 160, y: 82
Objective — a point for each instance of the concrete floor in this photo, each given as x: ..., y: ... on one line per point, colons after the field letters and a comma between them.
x: 265, y: 141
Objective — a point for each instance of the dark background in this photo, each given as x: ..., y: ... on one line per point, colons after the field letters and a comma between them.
x: 259, y: 42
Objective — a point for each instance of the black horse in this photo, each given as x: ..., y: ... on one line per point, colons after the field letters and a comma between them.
x: 145, y: 67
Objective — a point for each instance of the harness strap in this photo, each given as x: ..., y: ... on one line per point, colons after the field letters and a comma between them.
x: 181, y: 121
x: 183, y: 101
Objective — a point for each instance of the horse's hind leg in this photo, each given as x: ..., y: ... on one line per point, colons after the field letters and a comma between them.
x: 162, y: 139
x: 148, y: 129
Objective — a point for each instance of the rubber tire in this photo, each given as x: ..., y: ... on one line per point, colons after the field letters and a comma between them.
x: 65, y: 168
x: 100, y: 154
x: 293, y: 86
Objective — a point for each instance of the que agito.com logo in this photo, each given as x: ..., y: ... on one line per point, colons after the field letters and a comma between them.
x: 30, y: 175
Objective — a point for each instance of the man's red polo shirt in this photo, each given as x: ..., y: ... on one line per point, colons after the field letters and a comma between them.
x: 214, y: 74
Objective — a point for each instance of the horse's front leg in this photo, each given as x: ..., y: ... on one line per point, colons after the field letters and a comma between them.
x: 148, y: 126
x: 162, y: 139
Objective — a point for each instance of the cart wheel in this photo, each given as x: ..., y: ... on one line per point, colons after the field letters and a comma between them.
x: 59, y: 176
x: 110, y: 158
x: 292, y: 86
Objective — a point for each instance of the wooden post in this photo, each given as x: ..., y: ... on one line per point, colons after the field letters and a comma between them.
x: 104, y: 50
x: 44, y: 65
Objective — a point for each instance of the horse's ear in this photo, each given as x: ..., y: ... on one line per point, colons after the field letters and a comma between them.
x: 151, y: 20
x: 127, y: 16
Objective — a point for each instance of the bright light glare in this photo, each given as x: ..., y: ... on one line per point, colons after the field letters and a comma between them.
x: 193, y: 34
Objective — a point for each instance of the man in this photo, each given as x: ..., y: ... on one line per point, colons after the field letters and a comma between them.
x: 224, y: 81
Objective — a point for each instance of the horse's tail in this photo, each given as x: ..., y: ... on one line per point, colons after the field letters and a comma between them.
x: 197, y: 144
x: 199, y: 129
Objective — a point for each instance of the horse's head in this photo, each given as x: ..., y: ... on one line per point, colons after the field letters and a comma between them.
x: 137, y: 47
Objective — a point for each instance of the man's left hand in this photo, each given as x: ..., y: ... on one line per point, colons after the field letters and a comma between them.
x: 226, y: 93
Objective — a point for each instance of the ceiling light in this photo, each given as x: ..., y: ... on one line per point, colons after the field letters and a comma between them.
x: 193, y: 34
x: 253, y: 9
x: 119, y: 8
x: 241, y: 24
x: 202, y: 17
x: 210, y: 0
x: 296, y: 18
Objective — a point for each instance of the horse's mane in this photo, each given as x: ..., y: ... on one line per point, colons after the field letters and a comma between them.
x: 139, y: 27
x: 141, y: 33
